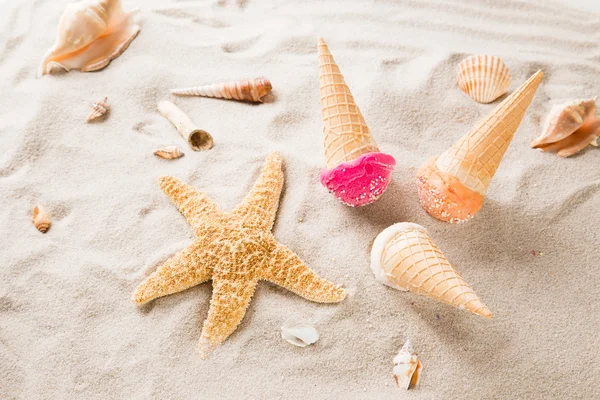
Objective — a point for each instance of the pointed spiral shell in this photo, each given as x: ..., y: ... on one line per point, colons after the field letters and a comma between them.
x: 244, y: 90
x: 99, y: 108
x: 41, y: 219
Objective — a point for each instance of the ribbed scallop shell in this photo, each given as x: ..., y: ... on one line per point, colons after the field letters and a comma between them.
x: 483, y: 77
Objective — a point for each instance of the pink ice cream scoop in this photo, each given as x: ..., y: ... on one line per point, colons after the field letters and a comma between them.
x: 361, y: 181
x: 357, y: 172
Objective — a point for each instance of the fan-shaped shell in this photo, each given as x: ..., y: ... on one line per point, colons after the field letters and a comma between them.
x: 483, y: 77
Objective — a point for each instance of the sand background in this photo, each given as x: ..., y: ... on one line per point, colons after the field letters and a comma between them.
x: 68, y: 328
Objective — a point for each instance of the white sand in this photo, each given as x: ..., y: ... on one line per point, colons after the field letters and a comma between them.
x: 68, y: 328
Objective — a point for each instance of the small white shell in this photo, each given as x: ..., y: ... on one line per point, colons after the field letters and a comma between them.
x: 484, y: 78
x: 99, y: 108
x: 407, y: 367
x: 301, y: 337
x: 169, y: 152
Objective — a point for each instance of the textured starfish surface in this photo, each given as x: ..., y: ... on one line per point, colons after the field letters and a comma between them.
x: 235, y: 250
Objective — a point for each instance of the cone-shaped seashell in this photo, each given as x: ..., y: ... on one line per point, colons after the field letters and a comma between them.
x: 452, y: 186
x: 300, y: 337
x: 169, y: 152
x: 91, y: 33
x: 41, y: 219
x: 198, y: 139
x: 407, y: 367
x: 99, y: 108
x: 404, y: 257
x: 484, y: 78
x: 244, y: 90
x: 570, y: 128
x: 357, y: 172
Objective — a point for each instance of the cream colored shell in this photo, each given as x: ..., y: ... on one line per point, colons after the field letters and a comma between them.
x: 483, y: 77
x: 407, y: 367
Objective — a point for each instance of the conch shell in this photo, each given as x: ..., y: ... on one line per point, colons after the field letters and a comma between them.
x: 300, y: 337
x: 41, y: 219
x: 569, y: 128
x: 169, y: 152
x: 484, y: 78
x: 244, y: 90
x: 99, y: 108
x: 91, y: 33
x: 407, y: 367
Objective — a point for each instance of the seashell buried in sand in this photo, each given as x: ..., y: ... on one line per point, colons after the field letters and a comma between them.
x: 570, y: 128
x: 244, y: 90
x: 99, y: 109
x: 91, y: 33
x: 484, y: 78
x: 169, y: 152
x: 407, y: 367
x: 41, y: 219
x: 300, y: 337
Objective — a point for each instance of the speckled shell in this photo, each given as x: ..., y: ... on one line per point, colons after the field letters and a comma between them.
x: 407, y: 367
x: 41, y: 219
x: 99, y: 108
x: 484, y: 78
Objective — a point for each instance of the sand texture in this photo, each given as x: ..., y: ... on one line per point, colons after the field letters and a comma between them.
x: 68, y: 326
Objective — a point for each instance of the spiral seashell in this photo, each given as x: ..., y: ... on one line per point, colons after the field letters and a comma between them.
x: 99, y: 108
x: 41, y: 219
x: 407, y: 367
x: 484, y: 78
x: 300, y: 337
x: 244, y: 90
x: 570, y: 128
x: 169, y: 152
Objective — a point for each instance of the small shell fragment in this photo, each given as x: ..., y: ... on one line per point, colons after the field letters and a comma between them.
x: 301, y: 337
x: 99, y: 108
x: 407, y: 367
x: 41, y: 219
x: 484, y: 78
x: 169, y: 152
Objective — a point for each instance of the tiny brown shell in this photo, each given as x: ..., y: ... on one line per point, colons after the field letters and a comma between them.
x: 41, y: 219
x: 169, y: 152
x: 99, y: 108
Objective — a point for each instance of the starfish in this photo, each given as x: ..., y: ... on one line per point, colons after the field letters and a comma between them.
x: 235, y: 250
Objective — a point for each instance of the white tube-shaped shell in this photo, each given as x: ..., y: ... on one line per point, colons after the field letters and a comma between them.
x: 196, y: 138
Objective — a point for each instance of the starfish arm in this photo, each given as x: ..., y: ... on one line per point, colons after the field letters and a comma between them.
x: 287, y: 270
x: 228, y: 305
x: 195, y: 206
x: 259, y: 207
x: 188, y: 268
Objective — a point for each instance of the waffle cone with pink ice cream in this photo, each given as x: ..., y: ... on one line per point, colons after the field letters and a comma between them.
x: 357, y: 172
x: 452, y: 186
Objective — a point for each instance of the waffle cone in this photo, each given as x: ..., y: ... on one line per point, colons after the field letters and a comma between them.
x: 346, y: 133
x: 406, y: 257
x: 475, y: 158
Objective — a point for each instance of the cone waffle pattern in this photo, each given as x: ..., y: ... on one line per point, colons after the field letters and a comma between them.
x: 475, y: 158
x: 411, y: 260
x: 347, y: 135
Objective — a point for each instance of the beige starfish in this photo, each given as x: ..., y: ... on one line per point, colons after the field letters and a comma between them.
x: 235, y: 250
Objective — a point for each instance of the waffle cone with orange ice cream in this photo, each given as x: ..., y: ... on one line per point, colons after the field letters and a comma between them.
x: 452, y: 186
